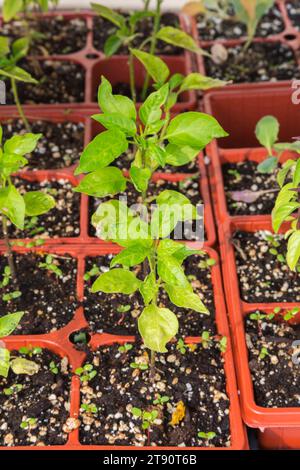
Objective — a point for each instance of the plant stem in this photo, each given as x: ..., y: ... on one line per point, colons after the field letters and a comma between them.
x: 18, y: 104
x: 132, y: 77
x: 8, y: 248
x: 147, y: 4
x: 153, y: 44
x: 152, y: 365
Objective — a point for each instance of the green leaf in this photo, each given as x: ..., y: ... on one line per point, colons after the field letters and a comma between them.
x: 280, y: 214
x: 194, y: 130
x: 179, y: 38
x: 268, y: 165
x: 149, y: 288
x: 282, y: 173
x: 116, y: 121
x: 102, y: 151
x: 157, y: 327
x: 20, y: 48
x: 114, y: 104
x: 178, y: 201
x: 186, y: 298
x: 290, y: 146
x: 37, y: 203
x: 293, y: 250
x: 4, y: 46
x: 140, y: 177
x: 9, y: 322
x: 131, y: 256
x: 11, y: 8
x: 112, y: 45
x: 156, y: 67
x: 266, y: 131
x: 296, y: 177
x: 11, y: 163
x: 197, y: 81
x: 150, y: 111
x: 117, y: 281
x: 22, y: 144
x: 108, y: 14
x: 155, y: 156
x: 171, y: 272
x: 18, y: 74
x: 101, y: 183
x: 23, y: 366
x: 178, y: 156
x: 4, y: 362
x: 178, y: 250
x: 13, y: 206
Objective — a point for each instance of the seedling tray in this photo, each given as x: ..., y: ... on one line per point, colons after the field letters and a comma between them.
x: 278, y: 428
x: 290, y: 37
x: 59, y: 342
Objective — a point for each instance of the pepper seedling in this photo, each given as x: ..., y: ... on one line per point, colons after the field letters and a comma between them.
x: 86, y: 373
x: 161, y: 400
x: 13, y: 205
x: 9, y: 69
x: 8, y: 323
x: 287, y: 209
x: 28, y: 423
x: 267, y: 133
x: 207, y: 436
x: 89, y: 408
x: 148, y: 417
x: 125, y: 348
x: 291, y: 314
x: 263, y: 353
x: 14, y: 8
x: 157, y: 142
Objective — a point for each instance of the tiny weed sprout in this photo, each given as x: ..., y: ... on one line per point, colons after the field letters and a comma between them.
x: 51, y: 266
x: 181, y: 346
x: 236, y: 174
x: 6, y: 277
x: 30, y: 351
x: 89, y: 408
x: 14, y: 206
x: 9, y: 69
x: 144, y: 238
x: 28, y: 423
x: 8, y: 323
x: 95, y: 271
x: 86, y: 373
x: 207, y: 436
x: 53, y: 368
x: 14, y: 389
x: 258, y: 316
x: 223, y: 343
x: 263, y: 353
x: 139, y: 365
x: 290, y: 314
x: 287, y: 210
x: 206, y: 339
x: 148, y: 417
x: 161, y: 400
x: 125, y: 348
x: 267, y: 133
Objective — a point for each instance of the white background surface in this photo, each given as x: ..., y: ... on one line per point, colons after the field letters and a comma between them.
x: 168, y: 4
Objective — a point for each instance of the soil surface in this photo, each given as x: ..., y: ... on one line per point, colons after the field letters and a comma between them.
x: 245, y: 176
x: 59, y: 82
x: 190, y: 188
x: 293, y: 9
x: 275, y: 376
x: 104, y: 28
x: 48, y: 300
x: 195, y: 378
x: 56, y: 35
x: 216, y: 28
x: 262, y: 277
x: 61, y: 221
x: 125, y: 160
x: 60, y: 146
x: 104, y: 312
x: 43, y: 397
x: 262, y: 62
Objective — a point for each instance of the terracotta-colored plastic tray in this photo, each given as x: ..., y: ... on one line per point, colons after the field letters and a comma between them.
x: 278, y: 428
x: 95, y: 63
x: 290, y: 37
x: 60, y: 343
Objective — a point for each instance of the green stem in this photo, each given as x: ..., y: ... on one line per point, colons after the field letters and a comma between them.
x: 153, y: 44
x: 147, y: 4
x: 165, y: 127
x: 8, y: 248
x: 18, y: 104
x: 132, y: 77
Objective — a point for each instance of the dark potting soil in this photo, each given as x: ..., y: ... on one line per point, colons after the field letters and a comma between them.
x: 104, y: 28
x: 293, y: 9
x: 262, y: 277
x: 60, y: 146
x: 213, y: 28
x: 56, y: 35
x: 43, y: 397
x: 195, y: 382
x: 61, y: 221
x: 244, y: 176
x: 275, y: 377
x: 125, y: 160
x: 49, y: 301
x: 190, y: 230
x: 260, y: 63
x: 105, y: 312
x: 59, y: 82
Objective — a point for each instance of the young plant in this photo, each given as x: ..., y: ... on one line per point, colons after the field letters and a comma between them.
x: 207, y: 436
x: 148, y: 417
x: 291, y: 314
x: 14, y: 206
x: 9, y: 69
x: 8, y: 323
x: 14, y: 8
x: 263, y: 353
x: 86, y: 373
x: 208, y: 8
x: 287, y: 209
x: 157, y: 142
x: 161, y: 400
x: 51, y: 266
x: 127, y: 32
x: 267, y: 132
